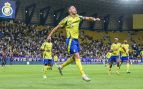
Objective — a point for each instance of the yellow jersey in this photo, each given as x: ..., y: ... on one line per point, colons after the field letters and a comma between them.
x: 47, y: 47
x: 55, y: 58
x: 108, y: 55
x: 115, y: 48
x: 124, y: 50
x: 141, y: 53
x: 71, y: 24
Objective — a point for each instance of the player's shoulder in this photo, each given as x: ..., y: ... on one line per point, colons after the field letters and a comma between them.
x: 80, y: 16
x: 47, y: 43
x: 122, y: 44
x: 67, y: 17
x: 43, y: 43
x: 128, y: 44
x: 108, y: 52
x: 112, y: 43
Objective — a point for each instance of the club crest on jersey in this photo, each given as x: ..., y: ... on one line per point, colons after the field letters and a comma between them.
x: 74, y: 50
x: 7, y: 9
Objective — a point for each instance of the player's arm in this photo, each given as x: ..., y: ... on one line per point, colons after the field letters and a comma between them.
x: 124, y: 49
x: 90, y: 19
x: 42, y: 47
x: 141, y: 55
x: 112, y: 49
x: 60, y: 25
x: 53, y: 31
x: 107, y: 55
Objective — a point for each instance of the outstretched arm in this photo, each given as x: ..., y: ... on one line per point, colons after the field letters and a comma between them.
x: 60, y: 25
x: 91, y: 19
x: 53, y: 31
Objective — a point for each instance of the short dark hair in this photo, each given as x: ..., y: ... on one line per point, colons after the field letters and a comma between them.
x: 69, y: 7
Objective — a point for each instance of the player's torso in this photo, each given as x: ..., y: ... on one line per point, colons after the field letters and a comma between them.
x: 48, y: 51
x: 108, y: 55
x: 126, y: 46
x: 116, y: 49
x: 55, y: 58
x: 72, y: 27
x: 124, y: 49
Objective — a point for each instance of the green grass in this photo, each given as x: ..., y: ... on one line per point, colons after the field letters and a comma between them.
x: 30, y: 77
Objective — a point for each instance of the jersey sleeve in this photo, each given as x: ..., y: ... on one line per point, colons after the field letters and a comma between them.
x: 42, y: 47
x: 106, y: 55
x: 111, y: 47
x: 121, y: 49
x: 63, y: 22
x: 141, y: 53
x: 81, y: 17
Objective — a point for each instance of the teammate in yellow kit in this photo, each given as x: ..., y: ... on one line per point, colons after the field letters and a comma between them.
x: 56, y: 59
x: 47, y: 56
x: 108, y: 56
x: 115, y: 49
x: 125, y: 54
x: 71, y: 24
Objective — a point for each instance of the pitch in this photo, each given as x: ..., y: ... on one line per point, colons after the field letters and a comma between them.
x: 30, y: 77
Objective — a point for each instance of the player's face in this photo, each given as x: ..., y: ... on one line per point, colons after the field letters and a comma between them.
x: 116, y: 40
x: 125, y: 41
x: 72, y: 10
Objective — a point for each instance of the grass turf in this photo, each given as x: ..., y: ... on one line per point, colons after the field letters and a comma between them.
x: 30, y: 77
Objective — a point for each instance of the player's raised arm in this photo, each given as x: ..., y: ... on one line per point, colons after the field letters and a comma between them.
x: 42, y: 47
x: 91, y: 19
x: 53, y: 31
x: 60, y: 25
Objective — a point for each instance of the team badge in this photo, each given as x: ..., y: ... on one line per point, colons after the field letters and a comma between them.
x: 74, y: 50
x: 7, y: 9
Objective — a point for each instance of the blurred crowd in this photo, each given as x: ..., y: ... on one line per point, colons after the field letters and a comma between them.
x: 25, y: 41
x: 22, y: 39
